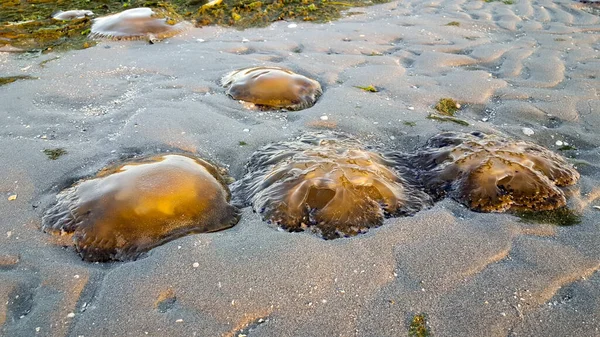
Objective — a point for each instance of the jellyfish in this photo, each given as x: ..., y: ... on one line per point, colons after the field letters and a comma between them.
x: 272, y: 87
x: 136, y: 23
x: 327, y: 183
x: 131, y: 208
x: 72, y: 14
x: 489, y: 173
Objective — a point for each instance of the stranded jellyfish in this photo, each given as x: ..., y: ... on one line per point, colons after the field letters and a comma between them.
x: 493, y: 174
x: 72, y: 14
x: 329, y: 184
x: 137, y: 23
x: 272, y: 87
x: 129, y: 209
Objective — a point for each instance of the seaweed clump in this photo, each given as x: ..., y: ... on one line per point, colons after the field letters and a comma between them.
x: 54, y: 154
x: 418, y: 326
x: 494, y: 174
x: 30, y: 27
x: 11, y: 79
x: 129, y: 209
x: 447, y: 106
x: 328, y: 183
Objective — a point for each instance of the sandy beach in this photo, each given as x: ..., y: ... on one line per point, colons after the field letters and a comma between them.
x: 529, y: 66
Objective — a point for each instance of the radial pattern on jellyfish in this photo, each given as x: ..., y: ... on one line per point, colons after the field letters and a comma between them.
x: 328, y: 183
x: 493, y: 174
x: 272, y: 87
x: 136, y: 23
x: 129, y: 209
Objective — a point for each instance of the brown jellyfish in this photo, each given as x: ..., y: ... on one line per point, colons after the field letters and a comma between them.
x: 136, y: 23
x: 272, y: 87
x: 493, y: 174
x: 327, y: 183
x: 131, y: 208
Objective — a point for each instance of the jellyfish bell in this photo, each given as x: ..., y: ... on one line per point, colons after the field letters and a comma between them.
x: 328, y: 184
x: 136, y: 23
x: 72, y: 14
x: 131, y: 208
x: 489, y: 173
x: 272, y: 87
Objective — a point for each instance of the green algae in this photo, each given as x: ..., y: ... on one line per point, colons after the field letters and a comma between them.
x: 54, y: 154
x: 242, y: 143
x: 453, y: 23
x: 11, y: 79
x: 567, y: 148
x: 563, y: 216
x: 247, y: 13
x: 369, y: 88
x: 448, y: 119
x: 418, y: 326
x: 447, y: 106
x: 411, y: 124
x: 43, y: 63
x: 29, y: 25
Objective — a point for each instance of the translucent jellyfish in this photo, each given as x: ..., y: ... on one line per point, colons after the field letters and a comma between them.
x: 327, y: 183
x: 272, y: 87
x: 129, y: 209
x: 72, y: 14
x: 493, y: 174
x: 137, y: 23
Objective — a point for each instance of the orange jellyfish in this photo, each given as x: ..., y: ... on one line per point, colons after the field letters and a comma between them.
x: 493, y: 174
x: 131, y: 208
x: 327, y: 183
x: 272, y: 87
x: 136, y: 23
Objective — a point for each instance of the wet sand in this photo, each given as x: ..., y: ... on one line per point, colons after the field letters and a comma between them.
x: 530, y: 65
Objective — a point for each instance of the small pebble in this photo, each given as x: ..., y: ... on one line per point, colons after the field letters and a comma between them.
x: 12, y: 197
x: 196, y: 265
x: 559, y: 143
x: 292, y: 25
x: 411, y: 108
x: 527, y: 131
x: 179, y: 321
x: 71, y: 315
x: 246, y: 130
x: 324, y: 118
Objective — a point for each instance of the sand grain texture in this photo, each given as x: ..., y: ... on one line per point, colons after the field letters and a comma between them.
x: 534, y: 64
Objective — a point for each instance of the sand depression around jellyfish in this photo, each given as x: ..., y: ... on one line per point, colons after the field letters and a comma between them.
x: 272, y: 87
x: 328, y: 183
x: 493, y: 174
x: 136, y: 23
x: 131, y: 208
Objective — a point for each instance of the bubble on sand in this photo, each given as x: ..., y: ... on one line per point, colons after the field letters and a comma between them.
x: 131, y: 208
x: 489, y: 173
x: 328, y: 183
